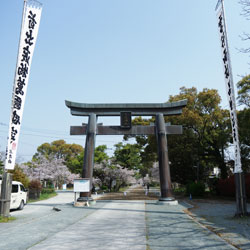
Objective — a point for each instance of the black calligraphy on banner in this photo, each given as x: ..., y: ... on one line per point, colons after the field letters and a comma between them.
x: 10, y: 156
x: 229, y: 84
x: 29, y: 30
x: 22, y: 75
x: 23, y: 68
x: 25, y: 55
x: 227, y: 73
x: 13, y: 134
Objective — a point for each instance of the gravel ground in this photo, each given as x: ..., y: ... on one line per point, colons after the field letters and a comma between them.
x: 218, y: 216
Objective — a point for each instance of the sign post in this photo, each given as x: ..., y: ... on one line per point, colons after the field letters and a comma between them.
x: 82, y: 185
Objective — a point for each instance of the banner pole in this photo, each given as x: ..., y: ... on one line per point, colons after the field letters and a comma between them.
x: 241, y: 205
x: 6, y: 179
x: 28, y: 36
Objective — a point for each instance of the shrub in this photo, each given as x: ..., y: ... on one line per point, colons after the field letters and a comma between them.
x: 35, y: 188
x: 35, y: 184
x: 196, y: 189
x: 104, y: 188
x: 48, y: 191
x: 18, y: 175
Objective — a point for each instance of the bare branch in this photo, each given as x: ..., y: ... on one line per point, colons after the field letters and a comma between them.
x: 245, y: 8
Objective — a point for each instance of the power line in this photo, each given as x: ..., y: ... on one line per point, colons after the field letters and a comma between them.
x: 57, y: 137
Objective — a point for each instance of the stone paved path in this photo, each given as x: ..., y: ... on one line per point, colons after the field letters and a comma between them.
x: 118, y: 225
x: 110, y: 224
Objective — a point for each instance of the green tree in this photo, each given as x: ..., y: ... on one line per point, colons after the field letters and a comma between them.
x: 244, y: 91
x: 75, y: 164
x: 147, y: 145
x: 1, y: 162
x: 206, y: 130
x: 100, y: 154
x: 18, y: 175
x: 244, y: 120
x: 206, y: 135
x: 58, y: 149
x: 127, y: 156
x: 244, y: 135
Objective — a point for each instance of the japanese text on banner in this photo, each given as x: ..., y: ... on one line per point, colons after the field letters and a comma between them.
x: 29, y: 31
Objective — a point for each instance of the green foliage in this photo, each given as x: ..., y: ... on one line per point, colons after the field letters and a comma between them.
x: 196, y: 189
x: 71, y: 154
x: 75, y: 164
x: 244, y: 91
x: 127, y: 156
x: 100, y: 154
x: 244, y: 135
x: 58, y: 149
x: 18, y: 175
x: 206, y: 135
x: 1, y: 162
x: 44, y: 196
x: 147, y: 146
x: 6, y: 219
x: 48, y: 191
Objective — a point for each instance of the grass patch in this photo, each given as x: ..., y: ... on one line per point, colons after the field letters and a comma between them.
x: 6, y: 219
x: 43, y: 197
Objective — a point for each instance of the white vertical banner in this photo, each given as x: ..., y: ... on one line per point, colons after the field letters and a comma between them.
x: 229, y: 83
x: 29, y: 30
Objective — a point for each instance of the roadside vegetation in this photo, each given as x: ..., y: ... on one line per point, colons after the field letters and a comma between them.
x: 43, y: 197
x: 6, y: 219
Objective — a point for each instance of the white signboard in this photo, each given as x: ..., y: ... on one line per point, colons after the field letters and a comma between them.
x: 29, y: 30
x: 81, y: 185
x: 229, y: 84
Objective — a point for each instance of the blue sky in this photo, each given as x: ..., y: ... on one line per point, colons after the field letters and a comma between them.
x: 108, y: 51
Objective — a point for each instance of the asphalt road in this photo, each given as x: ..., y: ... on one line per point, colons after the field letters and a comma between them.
x: 119, y: 224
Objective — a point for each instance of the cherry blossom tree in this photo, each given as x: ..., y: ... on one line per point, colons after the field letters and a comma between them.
x: 46, y: 169
x: 112, y: 176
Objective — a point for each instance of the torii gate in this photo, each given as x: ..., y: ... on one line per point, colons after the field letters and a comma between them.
x: 126, y: 111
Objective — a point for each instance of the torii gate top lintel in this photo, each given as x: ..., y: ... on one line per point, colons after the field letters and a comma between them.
x: 136, y: 109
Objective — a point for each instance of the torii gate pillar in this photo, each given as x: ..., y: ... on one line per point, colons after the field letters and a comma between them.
x: 165, y: 179
x: 88, y: 163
